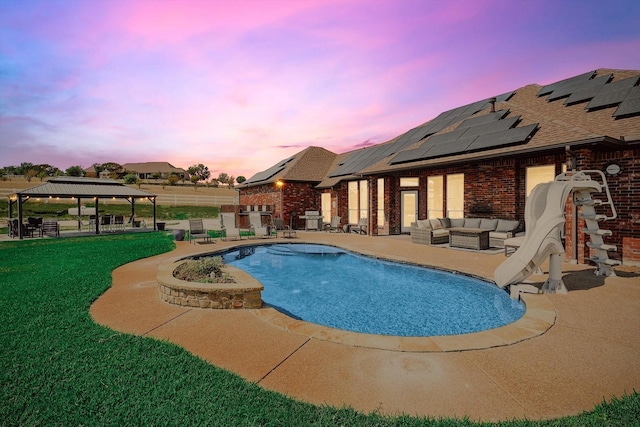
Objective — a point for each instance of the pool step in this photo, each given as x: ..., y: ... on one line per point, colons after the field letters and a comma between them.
x: 280, y: 250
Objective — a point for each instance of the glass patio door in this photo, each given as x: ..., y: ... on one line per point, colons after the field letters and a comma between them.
x: 408, y: 209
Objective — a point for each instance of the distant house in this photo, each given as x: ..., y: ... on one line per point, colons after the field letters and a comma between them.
x: 154, y: 170
x: 479, y: 160
x: 92, y: 172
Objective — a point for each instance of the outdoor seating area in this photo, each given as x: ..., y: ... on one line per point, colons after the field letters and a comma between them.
x: 228, y: 226
x: 334, y: 226
x: 34, y: 227
x: 257, y: 228
x: 197, y: 231
x: 471, y: 233
x: 361, y: 227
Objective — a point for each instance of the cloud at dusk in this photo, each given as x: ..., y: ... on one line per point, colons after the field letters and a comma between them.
x: 240, y: 85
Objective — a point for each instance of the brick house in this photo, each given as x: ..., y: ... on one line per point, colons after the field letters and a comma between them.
x: 289, y: 187
x: 154, y: 170
x: 482, y: 160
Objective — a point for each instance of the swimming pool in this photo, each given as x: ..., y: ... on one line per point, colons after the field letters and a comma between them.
x: 340, y: 289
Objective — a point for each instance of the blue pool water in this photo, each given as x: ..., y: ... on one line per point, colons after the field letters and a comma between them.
x: 340, y: 289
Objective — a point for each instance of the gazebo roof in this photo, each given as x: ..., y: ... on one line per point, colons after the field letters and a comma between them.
x: 83, y: 187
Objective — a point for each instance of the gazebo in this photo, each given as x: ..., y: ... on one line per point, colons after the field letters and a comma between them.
x: 81, y: 188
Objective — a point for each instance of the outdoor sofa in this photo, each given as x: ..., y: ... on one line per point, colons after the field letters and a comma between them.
x: 436, y: 231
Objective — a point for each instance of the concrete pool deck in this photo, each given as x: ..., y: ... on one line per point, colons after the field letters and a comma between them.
x: 586, y: 354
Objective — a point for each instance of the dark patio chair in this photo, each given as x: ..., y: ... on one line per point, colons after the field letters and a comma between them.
x: 197, y: 231
x: 50, y: 227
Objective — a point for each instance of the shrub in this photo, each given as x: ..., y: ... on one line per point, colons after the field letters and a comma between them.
x: 206, y: 270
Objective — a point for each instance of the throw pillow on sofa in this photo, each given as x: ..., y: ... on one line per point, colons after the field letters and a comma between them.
x: 488, y: 224
x: 435, y: 224
x: 457, y: 222
x: 472, y: 222
x: 505, y: 225
x: 446, y: 223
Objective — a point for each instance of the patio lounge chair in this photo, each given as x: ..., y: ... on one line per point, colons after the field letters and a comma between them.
x: 334, y: 225
x: 50, y: 226
x: 256, y: 228
x: 361, y: 228
x: 228, y: 226
x: 197, y: 231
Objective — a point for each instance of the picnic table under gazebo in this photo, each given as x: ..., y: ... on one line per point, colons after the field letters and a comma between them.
x: 77, y: 189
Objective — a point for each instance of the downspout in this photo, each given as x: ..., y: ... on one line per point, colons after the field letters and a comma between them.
x: 574, y: 209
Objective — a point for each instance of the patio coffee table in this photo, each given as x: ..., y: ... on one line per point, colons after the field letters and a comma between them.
x: 469, y: 238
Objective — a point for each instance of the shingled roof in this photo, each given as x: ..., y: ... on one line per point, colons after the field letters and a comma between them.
x: 538, y: 118
x: 310, y: 165
x: 152, y: 167
x: 598, y: 107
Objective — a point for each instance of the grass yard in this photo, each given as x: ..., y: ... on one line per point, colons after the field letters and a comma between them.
x: 143, y: 210
x: 58, y: 367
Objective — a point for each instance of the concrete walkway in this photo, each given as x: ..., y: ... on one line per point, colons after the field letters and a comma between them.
x: 588, y: 354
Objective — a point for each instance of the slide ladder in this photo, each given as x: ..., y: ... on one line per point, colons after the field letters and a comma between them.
x: 544, y: 219
x: 592, y: 221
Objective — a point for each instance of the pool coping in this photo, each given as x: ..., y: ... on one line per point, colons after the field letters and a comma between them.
x: 538, y: 318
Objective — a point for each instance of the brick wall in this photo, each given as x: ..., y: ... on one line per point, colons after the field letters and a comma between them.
x: 625, y: 193
x: 295, y: 197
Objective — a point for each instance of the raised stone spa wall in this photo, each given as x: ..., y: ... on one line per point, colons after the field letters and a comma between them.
x: 245, y: 293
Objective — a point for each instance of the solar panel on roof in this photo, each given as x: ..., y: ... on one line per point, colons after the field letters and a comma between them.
x: 444, y: 138
x: 272, y: 171
x: 583, y: 94
x: 613, y: 93
x: 458, y: 146
x: 628, y: 107
x: 564, y: 91
x: 607, y: 98
x: 503, y: 137
x: 406, y: 156
x: 505, y: 96
x: 566, y: 82
x: 487, y: 118
x: 495, y: 126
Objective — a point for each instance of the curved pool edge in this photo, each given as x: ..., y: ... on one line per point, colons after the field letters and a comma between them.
x: 538, y: 318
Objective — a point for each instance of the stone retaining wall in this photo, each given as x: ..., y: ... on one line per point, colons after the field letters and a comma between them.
x: 245, y: 293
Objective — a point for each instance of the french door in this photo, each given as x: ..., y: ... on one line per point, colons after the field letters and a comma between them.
x: 408, y: 209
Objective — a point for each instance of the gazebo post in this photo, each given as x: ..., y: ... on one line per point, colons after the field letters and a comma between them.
x: 133, y: 210
x: 79, y: 216
x: 11, y: 203
x: 154, y: 214
x: 20, y: 235
x: 97, y: 215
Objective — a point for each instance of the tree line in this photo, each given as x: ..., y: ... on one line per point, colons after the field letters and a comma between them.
x: 196, y: 174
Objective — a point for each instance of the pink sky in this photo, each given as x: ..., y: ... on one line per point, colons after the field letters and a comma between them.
x: 240, y: 85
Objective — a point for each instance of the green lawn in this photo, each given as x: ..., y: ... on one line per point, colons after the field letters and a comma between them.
x: 143, y: 210
x: 58, y: 367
